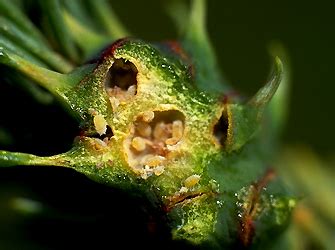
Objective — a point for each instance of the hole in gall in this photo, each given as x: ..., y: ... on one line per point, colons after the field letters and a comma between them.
x: 221, y: 129
x: 121, y: 82
x: 155, y: 134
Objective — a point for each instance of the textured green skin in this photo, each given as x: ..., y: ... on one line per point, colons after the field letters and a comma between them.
x: 210, y: 214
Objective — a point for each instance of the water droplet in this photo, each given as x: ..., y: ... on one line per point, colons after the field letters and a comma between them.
x: 239, y: 204
x: 220, y: 203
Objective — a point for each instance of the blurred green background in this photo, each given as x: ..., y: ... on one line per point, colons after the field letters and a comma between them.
x: 241, y: 32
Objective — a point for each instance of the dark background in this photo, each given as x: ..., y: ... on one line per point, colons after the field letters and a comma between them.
x: 241, y: 32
